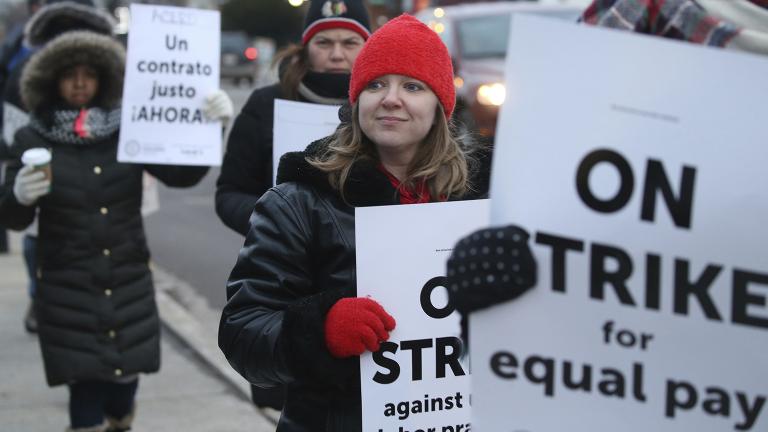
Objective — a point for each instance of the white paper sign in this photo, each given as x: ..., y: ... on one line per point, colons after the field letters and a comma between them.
x: 417, y: 380
x: 297, y: 125
x: 171, y: 66
x: 639, y: 167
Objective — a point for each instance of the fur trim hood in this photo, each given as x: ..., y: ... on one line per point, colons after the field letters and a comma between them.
x: 57, y: 18
x: 40, y: 75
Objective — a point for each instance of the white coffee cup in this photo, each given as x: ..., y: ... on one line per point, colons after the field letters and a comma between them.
x: 39, y: 158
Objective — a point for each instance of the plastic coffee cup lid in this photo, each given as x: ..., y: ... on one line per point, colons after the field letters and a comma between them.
x: 36, y: 157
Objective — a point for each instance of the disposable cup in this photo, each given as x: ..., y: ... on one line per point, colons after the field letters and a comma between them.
x: 39, y: 159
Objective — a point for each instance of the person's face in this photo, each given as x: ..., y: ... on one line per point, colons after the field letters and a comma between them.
x: 78, y: 85
x: 396, y: 112
x: 334, y: 50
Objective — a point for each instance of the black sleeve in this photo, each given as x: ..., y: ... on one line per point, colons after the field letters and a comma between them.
x: 246, y: 172
x: 271, y: 331
x: 177, y: 175
x: 14, y: 215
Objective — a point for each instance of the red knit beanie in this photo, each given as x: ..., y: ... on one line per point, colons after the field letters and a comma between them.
x: 405, y: 46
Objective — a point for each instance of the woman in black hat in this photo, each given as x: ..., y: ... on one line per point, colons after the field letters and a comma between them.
x: 317, y: 71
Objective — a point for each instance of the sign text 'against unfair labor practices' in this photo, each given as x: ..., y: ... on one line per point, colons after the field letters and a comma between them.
x: 639, y: 172
x: 298, y: 124
x: 417, y: 381
x: 171, y: 66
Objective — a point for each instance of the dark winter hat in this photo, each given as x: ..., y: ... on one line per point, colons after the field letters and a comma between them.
x: 405, y: 46
x: 58, y: 17
x: 330, y: 14
x: 103, y: 53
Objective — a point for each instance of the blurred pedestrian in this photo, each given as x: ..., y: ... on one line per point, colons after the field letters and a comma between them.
x: 292, y: 315
x: 316, y: 71
x: 13, y: 50
x: 52, y: 19
x: 97, y: 318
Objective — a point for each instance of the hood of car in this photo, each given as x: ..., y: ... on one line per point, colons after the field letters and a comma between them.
x: 475, y: 72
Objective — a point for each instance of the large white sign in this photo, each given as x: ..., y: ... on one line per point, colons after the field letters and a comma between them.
x: 417, y: 381
x: 297, y: 125
x: 172, y: 65
x: 639, y: 167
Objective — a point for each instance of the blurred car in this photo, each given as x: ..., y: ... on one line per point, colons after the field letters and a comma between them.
x: 238, y: 57
x: 476, y: 35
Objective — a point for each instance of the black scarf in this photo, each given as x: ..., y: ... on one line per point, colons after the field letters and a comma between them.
x: 325, y: 88
x: 73, y: 126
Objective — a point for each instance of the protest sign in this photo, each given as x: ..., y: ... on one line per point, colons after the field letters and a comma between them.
x: 298, y: 124
x: 417, y: 381
x: 171, y: 66
x: 638, y: 166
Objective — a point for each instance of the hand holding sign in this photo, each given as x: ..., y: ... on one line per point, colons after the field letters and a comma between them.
x: 490, y: 266
x: 354, y: 325
x: 218, y: 107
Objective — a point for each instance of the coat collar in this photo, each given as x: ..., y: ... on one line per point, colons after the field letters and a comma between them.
x: 367, y: 185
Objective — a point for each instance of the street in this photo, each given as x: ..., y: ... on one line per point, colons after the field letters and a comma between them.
x: 188, y: 239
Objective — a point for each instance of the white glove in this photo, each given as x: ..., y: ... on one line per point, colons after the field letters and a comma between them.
x: 218, y: 106
x: 30, y: 185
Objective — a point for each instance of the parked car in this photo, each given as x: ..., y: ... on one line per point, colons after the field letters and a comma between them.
x: 238, y: 57
x: 476, y: 35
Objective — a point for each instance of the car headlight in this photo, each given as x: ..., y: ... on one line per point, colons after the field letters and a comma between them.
x: 491, y: 94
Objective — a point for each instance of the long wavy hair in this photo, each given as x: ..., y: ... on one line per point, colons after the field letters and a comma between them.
x: 441, y: 160
x: 292, y: 63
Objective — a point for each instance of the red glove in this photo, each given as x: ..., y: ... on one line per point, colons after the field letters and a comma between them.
x: 356, y: 324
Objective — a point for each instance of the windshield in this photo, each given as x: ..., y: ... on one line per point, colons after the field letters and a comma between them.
x: 487, y: 36
x: 483, y: 36
x: 233, y: 41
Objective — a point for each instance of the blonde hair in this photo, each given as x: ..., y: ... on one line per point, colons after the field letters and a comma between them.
x: 440, y: 159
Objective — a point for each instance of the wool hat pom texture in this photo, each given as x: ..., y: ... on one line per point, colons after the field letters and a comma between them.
x: 406, y: 46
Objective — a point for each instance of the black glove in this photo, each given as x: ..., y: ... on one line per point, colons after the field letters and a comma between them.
x: 488, y: 267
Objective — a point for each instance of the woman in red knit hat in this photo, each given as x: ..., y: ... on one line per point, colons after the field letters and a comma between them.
x: 293, y: 317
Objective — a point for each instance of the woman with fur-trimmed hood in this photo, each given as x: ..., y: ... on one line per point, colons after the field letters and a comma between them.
x: 98, y: 321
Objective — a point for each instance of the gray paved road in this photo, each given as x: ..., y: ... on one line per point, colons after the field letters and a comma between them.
x: 187, y: 238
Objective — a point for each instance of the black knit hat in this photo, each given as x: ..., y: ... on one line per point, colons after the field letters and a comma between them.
x: 330, y: 14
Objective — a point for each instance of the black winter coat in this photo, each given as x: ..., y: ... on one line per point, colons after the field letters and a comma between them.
x: 95, y: 301
x: 246, y: 172
x: 298, y: 260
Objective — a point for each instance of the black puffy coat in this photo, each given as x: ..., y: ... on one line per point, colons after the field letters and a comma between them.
x: 298, y: 260
x: 95, y: 305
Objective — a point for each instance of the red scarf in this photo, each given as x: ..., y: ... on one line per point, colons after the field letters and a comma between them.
x: 407, y: 195
x: 81, y: 127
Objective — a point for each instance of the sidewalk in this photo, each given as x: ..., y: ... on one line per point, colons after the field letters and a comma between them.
x: 193, y: 391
